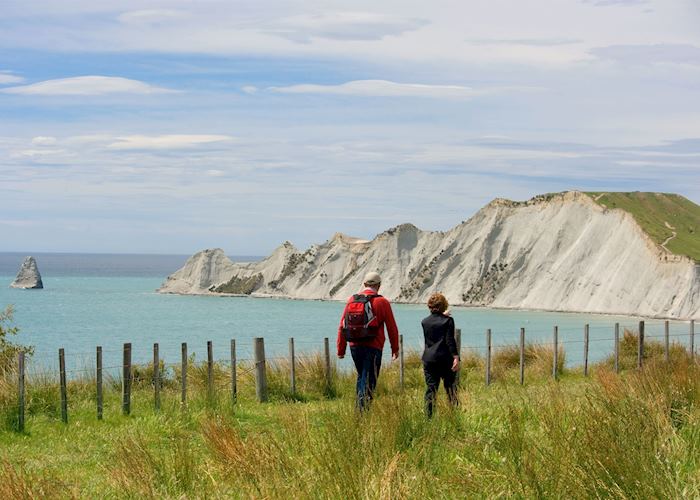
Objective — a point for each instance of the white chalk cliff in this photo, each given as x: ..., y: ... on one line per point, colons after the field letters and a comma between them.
x: 28, y: 275
x: 561, y: 252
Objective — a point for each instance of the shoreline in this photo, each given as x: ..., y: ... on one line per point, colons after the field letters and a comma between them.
x: 452, y: 306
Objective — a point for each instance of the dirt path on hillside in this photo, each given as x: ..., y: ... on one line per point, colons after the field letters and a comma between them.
x: 673, y: 235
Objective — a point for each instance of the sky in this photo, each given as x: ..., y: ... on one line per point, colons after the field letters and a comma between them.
x: 173, y: 126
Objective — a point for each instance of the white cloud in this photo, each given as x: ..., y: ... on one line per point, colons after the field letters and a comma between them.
x: 36, y: 153
x: 44, y: 141
x: 344, y: 26
x: 18, y: 222
x: 608, y: 3
x: 650, y: 54
x: 86, y: 85
x: 459, y: 154
x: 151, y: 16
x: 7, y: 77
x: 531, y: 42
x: 175, y: 141
x: 383, y: 32
x: 385, y: 88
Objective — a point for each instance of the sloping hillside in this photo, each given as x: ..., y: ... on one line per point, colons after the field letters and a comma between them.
x: 669, y: 219
x: 560, y: 252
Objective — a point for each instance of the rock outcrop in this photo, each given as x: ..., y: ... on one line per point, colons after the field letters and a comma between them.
x: 28, y: 275
x: 561, y: 252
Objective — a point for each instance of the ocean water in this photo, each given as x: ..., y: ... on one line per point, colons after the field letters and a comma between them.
x: 107, y: 300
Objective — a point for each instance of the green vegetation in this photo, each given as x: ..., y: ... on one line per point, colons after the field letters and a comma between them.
x: 655, y: 212
x: 237, y: 285
x: 9, y: 350
x: 634, y: 435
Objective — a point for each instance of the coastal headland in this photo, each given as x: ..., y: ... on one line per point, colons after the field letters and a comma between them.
x: 610, y: 253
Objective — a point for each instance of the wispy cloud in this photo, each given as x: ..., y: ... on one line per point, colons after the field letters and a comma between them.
x: 608, y: 3
x: 650, y: 54
x: 44, y: 141
x: 345, y: 26
x: 7, y: 77
x: 176, y: 141
x: 151, y: 16
x: 530, y: 42
x: 386, y: 88
x: 86, y: 86
x: 18, y: 222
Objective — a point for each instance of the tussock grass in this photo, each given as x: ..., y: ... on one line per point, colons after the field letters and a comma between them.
x: 16, y: 482
x: 653, y: 351
x: 539, y: 361
x: 323, y: 455
x: 632, y: 435
x: 311, y: 381
x: 144, y: 468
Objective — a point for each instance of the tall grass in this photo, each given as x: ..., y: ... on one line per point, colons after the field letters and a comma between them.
x: 143, y: 467
x: 653, y: 350
x: 18, y: 483
x: 633, y: 435
x: 629, y: 437
x: 539, y: 361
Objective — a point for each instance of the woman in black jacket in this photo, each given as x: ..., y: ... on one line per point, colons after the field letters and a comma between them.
x: 440, y: 356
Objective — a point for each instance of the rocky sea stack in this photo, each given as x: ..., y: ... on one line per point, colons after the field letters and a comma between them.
x: 28, y: 275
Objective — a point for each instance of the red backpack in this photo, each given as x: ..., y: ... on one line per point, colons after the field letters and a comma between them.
x: 359, y: 322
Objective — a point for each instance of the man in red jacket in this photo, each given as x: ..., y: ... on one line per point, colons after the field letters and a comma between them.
x: 367, y: 353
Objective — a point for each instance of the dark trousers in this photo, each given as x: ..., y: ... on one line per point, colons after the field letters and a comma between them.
x: 434, y: 371
x: 368, y: 361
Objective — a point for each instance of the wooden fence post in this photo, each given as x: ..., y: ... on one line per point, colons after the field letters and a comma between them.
x: 555, y: 354
x: 586, y: 339
x: 692, y: 339
x: 20, y: 383
x: 156, y: 376
x: 260, y: 380
x: 617, y: 347
x: 458, y: 341
x: 327, y: 357
x: 183, y: 376
x: 126, y: 380
x: 210, y: 371
x: 64, y: 389
x: 488, y: 357
x: 98, y: 381
x: 234, y: 382
x: 292, y: 368
x: 666, y: 342
x: 522, y: 356
x: 401, y: 365
x: 640, y: 345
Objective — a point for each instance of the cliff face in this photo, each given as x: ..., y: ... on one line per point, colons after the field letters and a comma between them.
x: 560, y: 252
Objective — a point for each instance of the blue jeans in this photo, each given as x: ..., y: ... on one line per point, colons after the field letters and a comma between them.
x: 368, y: 361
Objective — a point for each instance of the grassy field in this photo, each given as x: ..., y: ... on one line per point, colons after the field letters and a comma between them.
x: 655, y: 212
x: 634, y: 435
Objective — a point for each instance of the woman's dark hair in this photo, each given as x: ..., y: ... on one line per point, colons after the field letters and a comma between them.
x: 437, y: 303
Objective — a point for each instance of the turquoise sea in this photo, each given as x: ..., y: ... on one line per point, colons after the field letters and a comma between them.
x: 107, y: 300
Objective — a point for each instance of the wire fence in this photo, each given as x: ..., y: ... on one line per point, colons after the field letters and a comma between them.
x: 254, y: 363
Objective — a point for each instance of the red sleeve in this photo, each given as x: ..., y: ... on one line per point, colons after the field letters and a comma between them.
x: 391, y: 328
x: 341, y: 342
